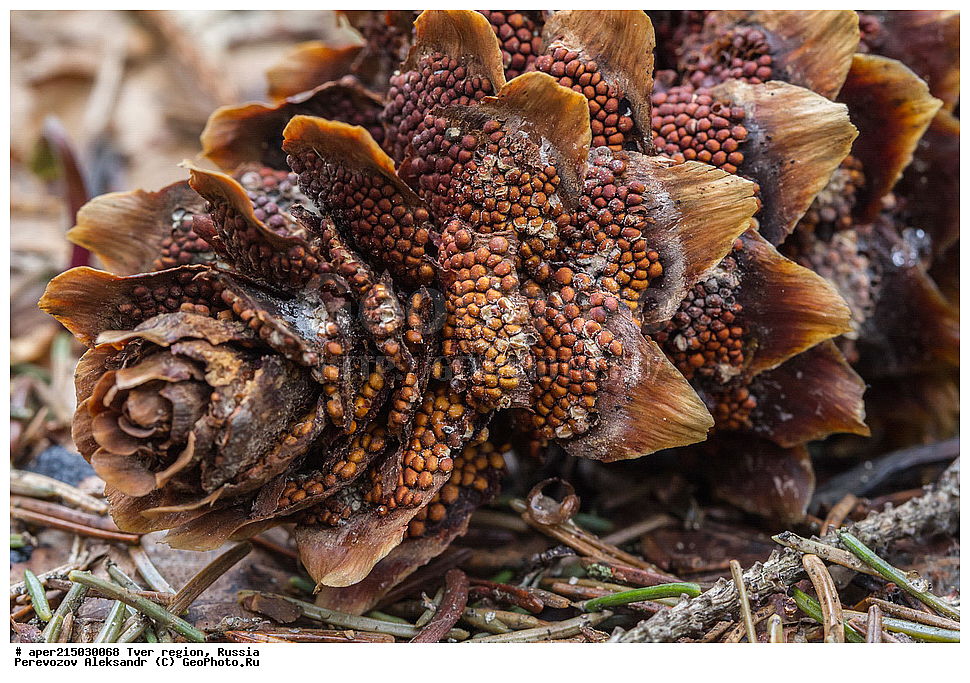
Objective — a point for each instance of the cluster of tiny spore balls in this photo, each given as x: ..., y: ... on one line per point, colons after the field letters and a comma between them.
x: 692, y: 125
x: 610, y: 120
x: 520, y: 35
x: 439, y: 81
x: 737, y: 52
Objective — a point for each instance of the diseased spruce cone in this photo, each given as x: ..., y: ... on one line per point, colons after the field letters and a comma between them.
x: 324, y: 333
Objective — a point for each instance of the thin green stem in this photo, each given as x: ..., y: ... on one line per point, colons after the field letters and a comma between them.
x: 304, y: 585
x: 663, y: 590
x: 68, y: 604
x: 157, y: 613
x: 897, y: 576
x: 38, y: 596
x: 112, y: 624
x: 810, y: 606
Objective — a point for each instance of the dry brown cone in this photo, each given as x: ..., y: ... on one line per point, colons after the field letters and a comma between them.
x: 311, y: 342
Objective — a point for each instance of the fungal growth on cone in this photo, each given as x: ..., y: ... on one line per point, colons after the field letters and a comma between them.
x: 472, y: 220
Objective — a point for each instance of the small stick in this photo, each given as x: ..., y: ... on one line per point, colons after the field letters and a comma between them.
x: 38, y: 596
x: 505, y: 594
x: 452, y: 604
x: 891, y: 573
x: 68, y: 514
x: 838, y: 513
x: 158, y: 614
x: 549, y: 599
x: 776, y: 634
x: 562, y: 629
x: 741, y: 629
x: 626, y: 574
x: 485, y: 620
x: 429, y: 611
x: 832, y: 619
x: 64, y: 525
x: 308, y: 635
x: 641, y: 528
x: 514, y: 620
x: 70, y: 603
x: 666, y: 590
x: 829, y: 553
x: 716, y: 632
x: 913, y: 614
x: 40, y: 486
x: 874, y: 625
x: 736, y: 574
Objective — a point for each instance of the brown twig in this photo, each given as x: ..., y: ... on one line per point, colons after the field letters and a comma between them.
x: 634, y: 576
x: 741, y: 630
x: 918, y: 616
x: 25, y: 483
x: 56, y: 523
x: 453, y: 603
x: 504, y: 594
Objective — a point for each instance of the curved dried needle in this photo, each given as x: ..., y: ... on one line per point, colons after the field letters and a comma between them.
x: 832, y: 619
x: 257, y: 601
x: 738, y: 577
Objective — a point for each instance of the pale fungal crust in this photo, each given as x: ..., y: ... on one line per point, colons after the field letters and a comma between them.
x: 621, y: 42
x: 811, y: 48
x: 555, y: 118
x: 892, y: 107
x: 306, y: 66
x: 644, y: 404
x: 808, y: 397
x: 796, y: 140
x: 125, y: 230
